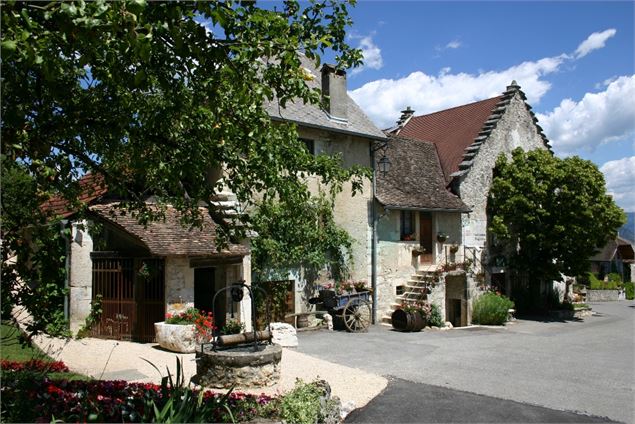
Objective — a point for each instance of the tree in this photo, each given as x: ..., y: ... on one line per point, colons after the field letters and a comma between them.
x: 33, y: 253
x: 551, y: 213
x: 157, y: 98
x: 311, y: 243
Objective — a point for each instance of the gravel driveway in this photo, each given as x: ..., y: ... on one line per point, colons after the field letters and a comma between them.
x: 581, y: 366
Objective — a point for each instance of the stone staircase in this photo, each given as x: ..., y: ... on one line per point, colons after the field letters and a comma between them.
x: 416, y: 289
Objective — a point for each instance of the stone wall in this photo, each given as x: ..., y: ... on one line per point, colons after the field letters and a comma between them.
x: 396, y: 264
x: 602, y: 295
x: 352, y: 213
x: 515, y: 129
x: 81, y: 275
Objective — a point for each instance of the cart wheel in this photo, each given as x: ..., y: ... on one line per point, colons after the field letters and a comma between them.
x: 357, y: 315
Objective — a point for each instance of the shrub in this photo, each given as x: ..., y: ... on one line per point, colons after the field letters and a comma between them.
x: 435, y: 319
x: 302, y: 404
x: 630, y: 290
x: 491, y: 309
x: 613, y: 283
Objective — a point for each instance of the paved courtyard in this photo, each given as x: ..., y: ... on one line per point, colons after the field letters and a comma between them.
x: 579, y: 366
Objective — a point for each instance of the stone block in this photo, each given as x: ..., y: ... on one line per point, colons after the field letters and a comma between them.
x: 283, y: 334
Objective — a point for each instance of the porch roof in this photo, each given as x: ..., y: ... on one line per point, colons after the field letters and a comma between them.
x: 169, y: 237
x: 415, y: 179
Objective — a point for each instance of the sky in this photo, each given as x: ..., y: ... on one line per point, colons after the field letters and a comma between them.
x: 573, y: 59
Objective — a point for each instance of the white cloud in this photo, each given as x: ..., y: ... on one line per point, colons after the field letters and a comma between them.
x: 453, y: 44
x: 597, y: 119
x: 371, y: 53
x: 383, y: 99
x: 595, y: 41
x: 620, y: 181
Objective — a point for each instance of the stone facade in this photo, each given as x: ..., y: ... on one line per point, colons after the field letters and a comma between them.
x: 352, y: 213
x: 81, y: 275
x: 515, y: 129
x: 507, y: 123
x: 179, y: 280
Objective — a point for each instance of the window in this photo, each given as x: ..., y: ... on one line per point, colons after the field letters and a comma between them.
x: 310, y: 146
x: 407, y: 225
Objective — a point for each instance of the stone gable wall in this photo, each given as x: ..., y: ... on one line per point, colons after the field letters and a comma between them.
x: 515, y: 129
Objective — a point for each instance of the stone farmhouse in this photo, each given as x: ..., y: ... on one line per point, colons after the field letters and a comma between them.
x: 142, y: 272
x: 338, y: 126
x: 427, y: 211
x: 433, y: 202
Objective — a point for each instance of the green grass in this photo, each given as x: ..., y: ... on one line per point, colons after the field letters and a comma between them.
x: 11, y: 350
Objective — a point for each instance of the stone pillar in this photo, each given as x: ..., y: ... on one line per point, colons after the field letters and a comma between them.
x: 81, y: 274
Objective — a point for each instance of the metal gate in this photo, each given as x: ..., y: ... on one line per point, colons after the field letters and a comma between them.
x: 132, y: 297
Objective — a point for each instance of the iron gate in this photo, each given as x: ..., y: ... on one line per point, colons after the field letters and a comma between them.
x: 132, y: 297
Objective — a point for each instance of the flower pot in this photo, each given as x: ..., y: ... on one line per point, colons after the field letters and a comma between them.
x: 176, y: 337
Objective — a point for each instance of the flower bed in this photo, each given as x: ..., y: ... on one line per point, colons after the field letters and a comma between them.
x: 26, y: 399
x: 34, y: 365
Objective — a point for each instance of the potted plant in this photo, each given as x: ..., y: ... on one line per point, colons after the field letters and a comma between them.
x: 360, y: 286
x: 183, y: 331
x: 418, y: 251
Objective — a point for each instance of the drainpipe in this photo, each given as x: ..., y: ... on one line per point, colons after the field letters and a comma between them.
x: 67, y: 265
x: 373, y: 246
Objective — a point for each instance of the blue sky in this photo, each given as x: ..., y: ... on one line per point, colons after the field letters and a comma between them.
x: 574, y: 60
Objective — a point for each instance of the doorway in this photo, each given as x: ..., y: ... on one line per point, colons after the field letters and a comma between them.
x: 132, y: 296
x: 425, y: 236
x: 204, y: 291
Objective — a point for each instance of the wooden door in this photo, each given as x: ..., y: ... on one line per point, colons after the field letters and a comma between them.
x: 425, y: 236
x: 132, y: 297
x: 113, y: 281
x: 150, y: 296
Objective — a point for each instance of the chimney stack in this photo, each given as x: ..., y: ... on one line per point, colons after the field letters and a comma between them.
x: 334, y: 94
x: 406, y: 114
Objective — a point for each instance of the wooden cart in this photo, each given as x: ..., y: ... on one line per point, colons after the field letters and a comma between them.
x: 353, y: 308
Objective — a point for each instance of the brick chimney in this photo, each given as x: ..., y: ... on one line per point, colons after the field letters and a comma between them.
x: 334, y: 96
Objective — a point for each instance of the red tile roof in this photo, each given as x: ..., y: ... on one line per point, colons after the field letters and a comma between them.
x: 92, y: 187
x: 451, y: 130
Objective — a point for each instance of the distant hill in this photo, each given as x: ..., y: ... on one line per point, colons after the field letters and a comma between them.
x: 628, y: 230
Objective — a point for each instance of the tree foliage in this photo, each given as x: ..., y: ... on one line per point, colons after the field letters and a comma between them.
x: 293, y: 236
x: 33, y: 254
x: 552, y: 213
x: 156, y: 98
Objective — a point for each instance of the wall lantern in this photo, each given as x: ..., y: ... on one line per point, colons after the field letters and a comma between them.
x: 383, y: 165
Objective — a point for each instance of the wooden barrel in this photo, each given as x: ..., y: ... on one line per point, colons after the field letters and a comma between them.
x: 407, y: 321
x: 418, y: 322
x: 401, y: 320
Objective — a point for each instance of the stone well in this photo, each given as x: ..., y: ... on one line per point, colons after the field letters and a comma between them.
x: 241, y: 366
